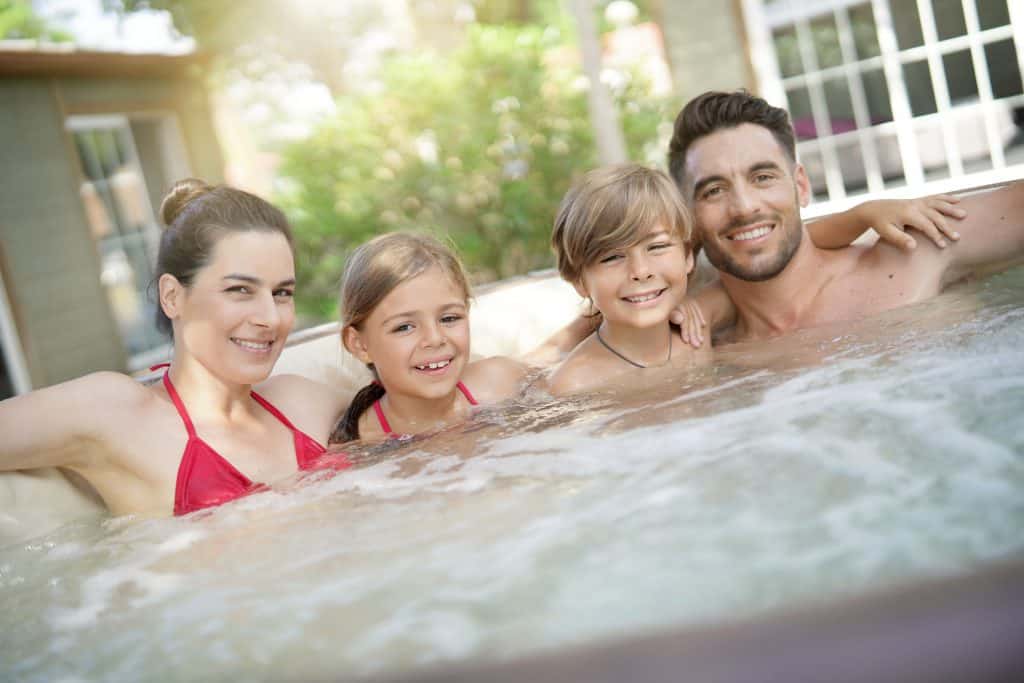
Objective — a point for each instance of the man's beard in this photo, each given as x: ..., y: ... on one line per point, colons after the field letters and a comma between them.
x: 765, y: 271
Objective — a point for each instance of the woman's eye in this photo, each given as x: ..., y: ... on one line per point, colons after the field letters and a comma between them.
x: 284, y: 294
x: 238, y: 289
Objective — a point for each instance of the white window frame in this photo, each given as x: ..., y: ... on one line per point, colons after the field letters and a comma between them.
x: 760, y: 22
x: 13, y: 353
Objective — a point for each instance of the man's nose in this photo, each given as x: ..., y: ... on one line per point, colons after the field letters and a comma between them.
x: 742, y: 200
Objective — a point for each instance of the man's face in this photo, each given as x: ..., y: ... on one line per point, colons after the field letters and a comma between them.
x: 746, y: 196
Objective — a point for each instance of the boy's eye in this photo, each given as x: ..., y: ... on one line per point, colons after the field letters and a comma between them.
x: 610, y: 258
x: 657, y: 246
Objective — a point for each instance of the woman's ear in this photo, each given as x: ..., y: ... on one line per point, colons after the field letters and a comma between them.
x: 171, y: 294
x: 353, y: 342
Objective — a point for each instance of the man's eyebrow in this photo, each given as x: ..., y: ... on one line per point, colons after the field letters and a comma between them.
x: 764, y: 166
x: 705, y: 181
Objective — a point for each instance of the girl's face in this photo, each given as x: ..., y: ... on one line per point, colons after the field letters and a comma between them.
x: 237, y: 314
x: 417, y: 337
x: 639, y: 285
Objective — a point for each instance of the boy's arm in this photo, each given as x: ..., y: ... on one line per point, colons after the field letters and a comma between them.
x: 707, y: 312
x: 552, y: 349
x: 934, y: 216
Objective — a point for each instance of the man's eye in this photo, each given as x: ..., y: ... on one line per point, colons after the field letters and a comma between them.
x: 711, y: 192
x: 763, y: 177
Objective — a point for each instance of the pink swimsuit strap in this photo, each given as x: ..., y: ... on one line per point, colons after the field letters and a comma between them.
x: 385, y: 426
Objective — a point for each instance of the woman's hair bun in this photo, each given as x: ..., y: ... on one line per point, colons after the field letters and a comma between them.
x: 183, y: 193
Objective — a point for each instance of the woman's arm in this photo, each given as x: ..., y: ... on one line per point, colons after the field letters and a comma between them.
x: 890, y: 218
x: 63, y: 424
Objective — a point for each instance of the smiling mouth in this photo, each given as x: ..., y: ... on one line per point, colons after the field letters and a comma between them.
x: 253, y: 346
x: 751, y: 233
x: 644, y: 298
x: 434, y: 365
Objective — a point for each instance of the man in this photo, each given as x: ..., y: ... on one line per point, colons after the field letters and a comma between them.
x: 733, y: 156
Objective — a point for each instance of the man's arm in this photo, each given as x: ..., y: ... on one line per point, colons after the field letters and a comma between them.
x: 992, y: 235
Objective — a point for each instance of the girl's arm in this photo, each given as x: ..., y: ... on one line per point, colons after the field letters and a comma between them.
x: 62, y: 425
x: 890, y: 218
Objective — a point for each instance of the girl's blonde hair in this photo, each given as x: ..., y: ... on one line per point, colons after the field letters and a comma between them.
x: 373, y: 270
x: 611, y: 207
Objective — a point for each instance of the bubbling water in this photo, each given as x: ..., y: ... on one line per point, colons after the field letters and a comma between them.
x: 824, y: 464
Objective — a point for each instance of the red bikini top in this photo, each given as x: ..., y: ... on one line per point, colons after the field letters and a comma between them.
x: 205, y: 478
x: 385, y: 426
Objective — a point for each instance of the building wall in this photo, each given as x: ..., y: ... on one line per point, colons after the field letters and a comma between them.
x: 50, y: 255
x: 68, y: 328
x: 706, y: 46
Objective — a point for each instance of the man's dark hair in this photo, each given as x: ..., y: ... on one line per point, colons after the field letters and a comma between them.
x: 713, y: 111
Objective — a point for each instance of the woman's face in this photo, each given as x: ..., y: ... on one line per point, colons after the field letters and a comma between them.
x: 237, y: 314
x: 417, y: 337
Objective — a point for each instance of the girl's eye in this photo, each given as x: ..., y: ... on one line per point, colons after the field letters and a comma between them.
x: 610, y: 258
x: 404, y: 327
x: 451, y: 319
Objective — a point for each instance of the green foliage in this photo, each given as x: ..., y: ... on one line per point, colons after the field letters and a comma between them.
x: 479, y: 145
x: 19, y: 21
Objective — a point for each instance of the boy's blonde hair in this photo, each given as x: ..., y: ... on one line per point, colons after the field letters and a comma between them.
x: 611, y: 207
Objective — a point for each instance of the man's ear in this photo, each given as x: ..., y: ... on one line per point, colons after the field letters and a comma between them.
x: 803, y: 185
x: 171, y: 294
x: 353, y: 342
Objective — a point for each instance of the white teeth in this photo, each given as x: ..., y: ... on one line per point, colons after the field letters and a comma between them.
x: 750, y: 234
x: 434, y: 366
x: 255, y: 346
x: 642, y: 298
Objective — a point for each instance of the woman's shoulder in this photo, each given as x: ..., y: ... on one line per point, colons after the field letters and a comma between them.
x: 313, y: 407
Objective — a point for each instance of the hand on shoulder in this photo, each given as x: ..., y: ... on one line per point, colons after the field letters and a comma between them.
x: 495, y: 379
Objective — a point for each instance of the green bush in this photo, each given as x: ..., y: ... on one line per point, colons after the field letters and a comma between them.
x: 478, y: 145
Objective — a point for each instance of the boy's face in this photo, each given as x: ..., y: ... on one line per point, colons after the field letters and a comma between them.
x: 638, y: 286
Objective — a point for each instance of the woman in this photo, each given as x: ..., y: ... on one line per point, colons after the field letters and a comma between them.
x: 202, y: 436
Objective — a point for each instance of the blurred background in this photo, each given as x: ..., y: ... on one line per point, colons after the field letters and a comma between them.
x: 469, y: 118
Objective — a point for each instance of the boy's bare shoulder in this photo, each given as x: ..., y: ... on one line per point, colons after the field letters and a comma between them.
x: 584, y: 369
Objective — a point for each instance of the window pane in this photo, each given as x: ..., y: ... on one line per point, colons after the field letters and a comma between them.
x: 865, y: 35
x: 889, y: 160
x: 993, y: 13
x: 811, y: 160
x: 826, y: 41
x: 907, y: 23
x: 840, y: 107
x: 1003, y: 69
x: 787, y: 51
x: 931, y: 148
x: 851, y: 164
x: 919, y: 88
x: 960, y: 79
x: 876, y: 92
x: 949, y: 18
x: 800, y: 113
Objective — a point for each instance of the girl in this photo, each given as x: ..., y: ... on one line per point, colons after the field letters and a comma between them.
x: 202, y: 436
x: 404, y: 312
x: 623, y: 237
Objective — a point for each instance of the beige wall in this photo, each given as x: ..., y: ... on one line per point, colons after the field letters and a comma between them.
x: 706, y: 46
x: 52, y: 261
